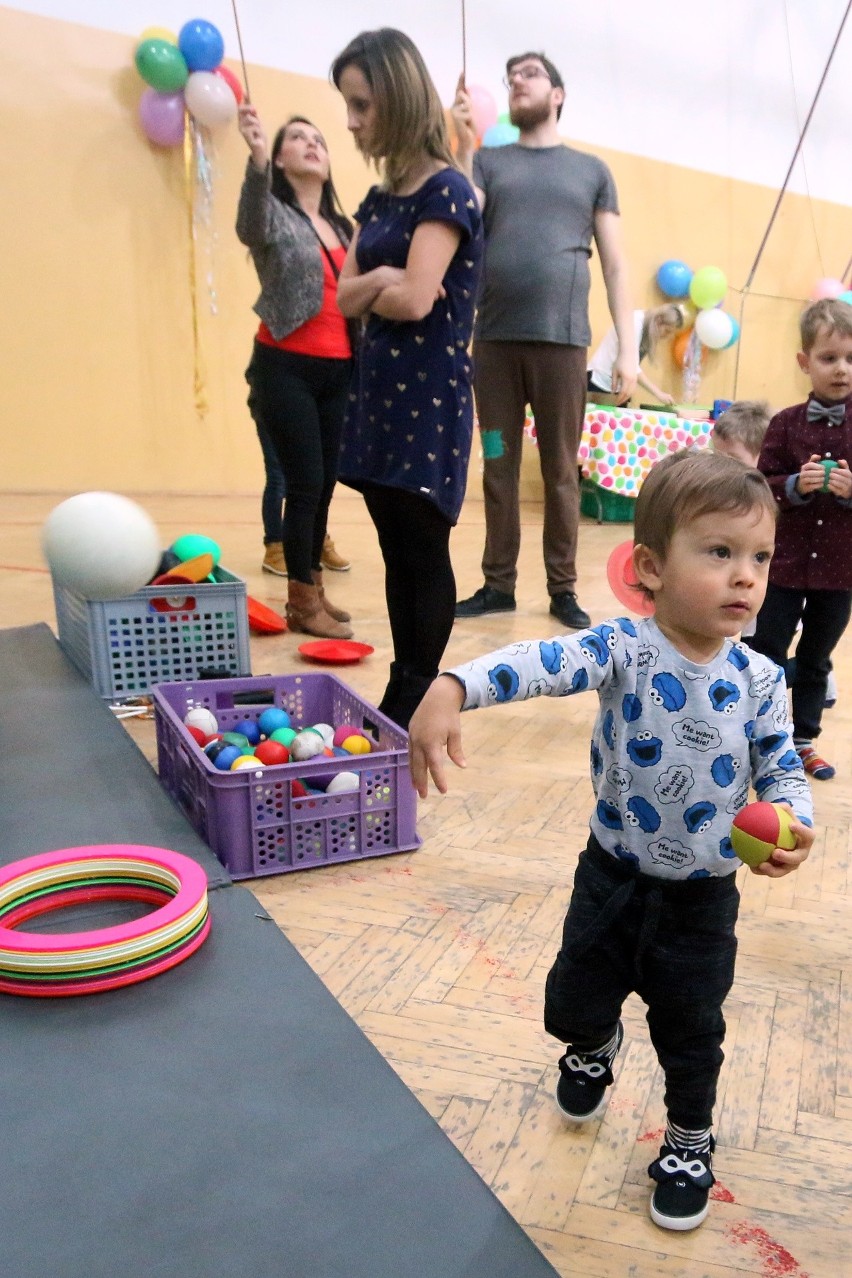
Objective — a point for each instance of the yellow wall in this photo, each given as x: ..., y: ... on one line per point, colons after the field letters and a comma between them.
x: 96, y: 329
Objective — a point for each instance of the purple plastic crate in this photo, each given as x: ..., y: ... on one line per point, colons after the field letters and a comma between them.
x: 250, y: 818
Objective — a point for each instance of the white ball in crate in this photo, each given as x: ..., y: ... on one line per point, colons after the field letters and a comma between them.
x: 326, y: 731
x: 199, y: 717
x: 306, y: 745
x: 101, y: 545
x: 343, y: 783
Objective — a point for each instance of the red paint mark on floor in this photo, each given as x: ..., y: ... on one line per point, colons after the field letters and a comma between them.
x: 721, y: 1194
x: 777, y: 1261
x: 21, y: 568
x: 652, y: 1138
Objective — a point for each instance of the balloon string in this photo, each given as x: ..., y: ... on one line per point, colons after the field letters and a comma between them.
x: 201, y: 405
x: 242, y: 55
x: 464, y: 42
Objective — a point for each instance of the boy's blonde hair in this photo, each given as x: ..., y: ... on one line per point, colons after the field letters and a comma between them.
x: 746, y: 423
x: 691, y: 483
x: 828, y: 314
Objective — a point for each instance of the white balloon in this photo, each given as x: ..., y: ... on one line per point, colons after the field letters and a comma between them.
x: 101, y: 545
x: 714, y: 328
x: 209, y: 99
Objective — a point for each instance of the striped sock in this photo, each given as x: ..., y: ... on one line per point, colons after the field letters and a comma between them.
x: 688, y: 1138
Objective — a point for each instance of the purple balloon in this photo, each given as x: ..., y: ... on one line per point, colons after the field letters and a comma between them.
x: 162, y: 116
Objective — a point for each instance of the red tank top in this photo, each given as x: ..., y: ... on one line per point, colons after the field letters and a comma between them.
x: 325, y: 335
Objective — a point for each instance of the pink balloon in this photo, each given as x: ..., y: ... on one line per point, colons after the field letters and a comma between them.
x: 827, y: 288
x: 483, y: 107
x: 162, y: 116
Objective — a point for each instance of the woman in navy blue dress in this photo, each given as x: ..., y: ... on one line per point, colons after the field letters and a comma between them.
x: 412, y: 271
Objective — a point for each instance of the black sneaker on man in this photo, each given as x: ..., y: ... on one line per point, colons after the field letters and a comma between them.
x: 583, y: 1080
x: 565, y: 608
x: 485, y: 600
x: 684, y: 1180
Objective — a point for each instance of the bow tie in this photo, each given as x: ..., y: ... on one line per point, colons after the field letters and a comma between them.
x: 817, y: 412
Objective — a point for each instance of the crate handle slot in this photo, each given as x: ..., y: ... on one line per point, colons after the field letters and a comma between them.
x: 173, y: 603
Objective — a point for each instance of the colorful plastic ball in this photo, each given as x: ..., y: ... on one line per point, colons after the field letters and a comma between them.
x: 250, y: 729
x: 245, y: 761
x: 298, y: 789
x: 708, y: 286
x: 345, y: 730
x: 339, y: 752
x: 100, y: 545
x: 215, y: 747
x: 356, y: 744
x: 306, y: 745
x: 284, y: 736
x: 759, y: 828
x: 326, y: 731
x: 193, y: 544
x: 343, y: 783
x: 673, y: 278
x: 271, y: 720
x: 200, y: 717
x: 226, y: 756
x: 201, y: 44
x: 198, y: 734
x: 272, y: 752
x: 238, y: 739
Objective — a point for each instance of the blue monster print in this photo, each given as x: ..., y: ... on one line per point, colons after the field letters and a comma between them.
x: 762, y: 784
x: 723, y: 696
x: 768, y: 745
x: 668, y: 692
x: 595, y: 648
x: 597, y: 760
x: 749, y: 729
x: 645, y: 750
x: 738, y: 658
x: 641, y: 813
x: 552, y: 657
x: 609, y: 815
x: 765, y: 707
x: 697, y: 818
x: 608, y: 729
x: 700, y: 874
x: 724, y: 770
x: 631, y: 707
x: 789, y: 761
x: 580, y: 681
x: 624, y: 854
x: 627, y: 627
x: 726, y: 848
x: 607, y: 633
x: 503, y: 682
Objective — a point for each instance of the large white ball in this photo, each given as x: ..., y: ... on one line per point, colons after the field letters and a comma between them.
x: 101, y: 545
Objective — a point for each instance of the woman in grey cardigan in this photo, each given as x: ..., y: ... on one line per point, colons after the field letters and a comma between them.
x: 290, y: 219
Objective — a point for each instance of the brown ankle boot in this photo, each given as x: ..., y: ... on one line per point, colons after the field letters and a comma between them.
x: 337, y: 613
x: 306, y: 615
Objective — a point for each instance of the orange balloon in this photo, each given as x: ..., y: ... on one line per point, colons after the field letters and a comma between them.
x: 679, y: 346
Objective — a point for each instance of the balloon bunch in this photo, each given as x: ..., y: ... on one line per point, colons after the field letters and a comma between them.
x: 705, y: 289
x: 184, y: 73
x: 831, y: 288
x: 491, y: 129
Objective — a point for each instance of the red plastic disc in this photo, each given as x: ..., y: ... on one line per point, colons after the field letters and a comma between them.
x: 335, y: 652
x: 624, y: 583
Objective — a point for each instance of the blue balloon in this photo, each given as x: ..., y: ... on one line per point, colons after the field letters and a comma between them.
x: 735, y: 333
x: 201, y: 45
x: 846, y: 297
x: 500, y: 134
x: 673, y: 278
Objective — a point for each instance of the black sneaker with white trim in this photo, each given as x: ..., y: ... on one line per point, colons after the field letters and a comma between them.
x: 684, y: 1180
x: 583, y: 1080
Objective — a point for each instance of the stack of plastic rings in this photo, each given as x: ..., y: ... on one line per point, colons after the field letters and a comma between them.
x: 53, y: 965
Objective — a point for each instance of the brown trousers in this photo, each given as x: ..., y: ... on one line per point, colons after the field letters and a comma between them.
x: 551, y: 378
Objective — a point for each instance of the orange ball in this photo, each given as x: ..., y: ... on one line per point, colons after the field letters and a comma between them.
x: 759, y: 828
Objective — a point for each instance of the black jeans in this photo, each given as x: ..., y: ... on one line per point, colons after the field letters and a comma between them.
x: 824, y: 615
x: 299, y: 402
x: 671, y: 942
x: 274, y: 489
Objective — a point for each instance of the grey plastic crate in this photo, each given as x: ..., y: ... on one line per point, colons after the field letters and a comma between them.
x: 126, y: 646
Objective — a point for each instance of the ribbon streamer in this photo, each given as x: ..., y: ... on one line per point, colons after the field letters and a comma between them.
x: 199, y: 371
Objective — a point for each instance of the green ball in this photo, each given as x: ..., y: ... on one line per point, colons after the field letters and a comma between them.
x: 239, y: 739
x: 283, y: 736
x: 162, y: 65
x: 192, y: 544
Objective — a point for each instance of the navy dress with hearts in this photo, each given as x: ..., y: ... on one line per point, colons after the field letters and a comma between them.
x: 409, y: 420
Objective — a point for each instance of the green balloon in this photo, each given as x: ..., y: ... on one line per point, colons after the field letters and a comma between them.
x: 193, y: 544
x: 707, y: 287
x: 162, y: 65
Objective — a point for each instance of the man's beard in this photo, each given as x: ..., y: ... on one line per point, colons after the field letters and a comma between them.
x: 530, y: 115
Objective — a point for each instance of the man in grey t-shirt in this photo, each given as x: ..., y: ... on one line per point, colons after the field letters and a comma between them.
x: 543, y: 204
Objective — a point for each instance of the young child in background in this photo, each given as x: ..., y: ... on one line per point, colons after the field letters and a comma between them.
x: 687, y: 719
x: 804, y: 457
x: 651, y: 328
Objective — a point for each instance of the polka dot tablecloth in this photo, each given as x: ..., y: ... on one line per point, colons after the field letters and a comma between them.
x: 620, y: 445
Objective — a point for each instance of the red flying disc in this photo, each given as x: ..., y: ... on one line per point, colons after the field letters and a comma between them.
x: 624, y: 583
x: 263, y: 619
x: 335, y: 652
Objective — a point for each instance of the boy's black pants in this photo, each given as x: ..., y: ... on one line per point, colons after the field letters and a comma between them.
x: 673, y: 943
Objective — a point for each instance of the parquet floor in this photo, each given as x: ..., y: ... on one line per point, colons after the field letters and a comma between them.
x: 440, y: 955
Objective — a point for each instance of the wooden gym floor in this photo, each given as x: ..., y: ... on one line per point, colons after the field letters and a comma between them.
x: 440, y: 955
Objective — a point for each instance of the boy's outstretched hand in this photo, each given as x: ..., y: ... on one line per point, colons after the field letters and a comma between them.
x: 785, y: 860
x: 436, y: 727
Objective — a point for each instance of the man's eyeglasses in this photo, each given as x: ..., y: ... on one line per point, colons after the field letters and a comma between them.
x: 524, y: 73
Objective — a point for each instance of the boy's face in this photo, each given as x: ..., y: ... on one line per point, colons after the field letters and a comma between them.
x: 734, y: 448
x: 829, y: 365
x: 712, y: 579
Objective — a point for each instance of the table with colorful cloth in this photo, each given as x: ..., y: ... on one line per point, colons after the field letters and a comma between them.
x: 620, y: 445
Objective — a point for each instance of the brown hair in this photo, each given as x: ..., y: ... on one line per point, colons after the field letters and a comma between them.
x: 745, y: 422
x: 691, y: 483
x: 552, y: 73
x: 829, y: 314
x: 410, y: 120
